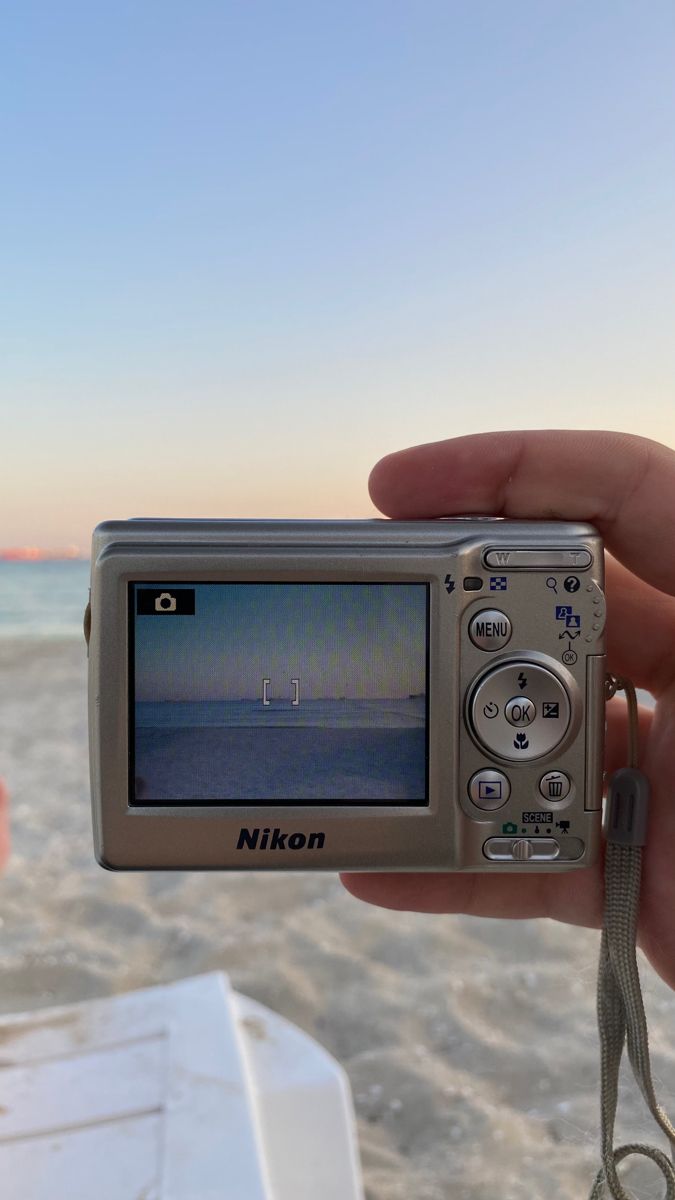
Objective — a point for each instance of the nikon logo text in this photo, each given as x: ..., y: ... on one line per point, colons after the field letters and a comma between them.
x: 274, y: 839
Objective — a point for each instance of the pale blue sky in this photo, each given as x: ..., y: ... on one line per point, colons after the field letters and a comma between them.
x: 353, y: 640
x: 247, y: 249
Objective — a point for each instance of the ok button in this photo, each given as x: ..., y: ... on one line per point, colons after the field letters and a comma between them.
x: 520, y: 711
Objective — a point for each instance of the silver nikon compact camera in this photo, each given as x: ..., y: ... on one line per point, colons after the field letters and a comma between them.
x: 354, y: 695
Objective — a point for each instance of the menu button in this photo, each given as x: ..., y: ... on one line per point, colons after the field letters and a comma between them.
x: 490, y: 629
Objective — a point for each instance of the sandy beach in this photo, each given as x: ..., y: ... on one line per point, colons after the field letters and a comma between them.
x: 470, y: 1045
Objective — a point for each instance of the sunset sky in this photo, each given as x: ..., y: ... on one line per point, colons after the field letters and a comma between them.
x: 249, y: 248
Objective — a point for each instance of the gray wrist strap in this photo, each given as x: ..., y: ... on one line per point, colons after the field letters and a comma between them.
x: 621, y: 1016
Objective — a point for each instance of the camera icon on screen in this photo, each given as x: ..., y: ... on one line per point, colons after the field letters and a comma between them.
x: 165, y: 602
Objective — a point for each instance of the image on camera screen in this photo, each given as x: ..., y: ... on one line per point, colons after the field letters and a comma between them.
x: 269, y: 692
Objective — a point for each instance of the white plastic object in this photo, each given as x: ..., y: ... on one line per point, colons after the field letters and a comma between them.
x: 187, y: 1091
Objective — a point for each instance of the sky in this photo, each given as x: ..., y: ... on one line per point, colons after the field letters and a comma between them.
x: 247, y: 249
x: 356, y: 640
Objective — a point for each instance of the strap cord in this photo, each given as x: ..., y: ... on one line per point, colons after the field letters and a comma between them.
x: 620, y: 1010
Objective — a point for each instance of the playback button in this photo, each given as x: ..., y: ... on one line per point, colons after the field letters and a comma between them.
x: 489, y: 789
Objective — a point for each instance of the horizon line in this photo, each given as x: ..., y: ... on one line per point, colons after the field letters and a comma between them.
x: 41, y: 553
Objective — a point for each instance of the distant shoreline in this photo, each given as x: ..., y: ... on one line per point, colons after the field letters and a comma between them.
x: 33, y: 554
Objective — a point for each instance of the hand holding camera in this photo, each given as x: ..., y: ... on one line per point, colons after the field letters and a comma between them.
x: 625, y: 485
x: 419, y: 701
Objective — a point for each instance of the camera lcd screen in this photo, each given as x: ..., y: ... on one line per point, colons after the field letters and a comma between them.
x: 265, y: 693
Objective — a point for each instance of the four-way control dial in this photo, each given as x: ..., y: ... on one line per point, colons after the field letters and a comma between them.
x: 519, y: 711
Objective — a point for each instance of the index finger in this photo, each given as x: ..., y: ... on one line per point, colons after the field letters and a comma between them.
x: 621, y: 483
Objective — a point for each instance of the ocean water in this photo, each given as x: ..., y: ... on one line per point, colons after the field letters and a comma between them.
x: 326, y: 714
x: 249, y: 763
x: 43, y: 599
x: 240, y: 750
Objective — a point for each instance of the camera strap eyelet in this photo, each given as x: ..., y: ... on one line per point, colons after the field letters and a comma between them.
x: 620, y: 1009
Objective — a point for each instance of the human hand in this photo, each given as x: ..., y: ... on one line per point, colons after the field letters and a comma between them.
x: 625, y: 486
